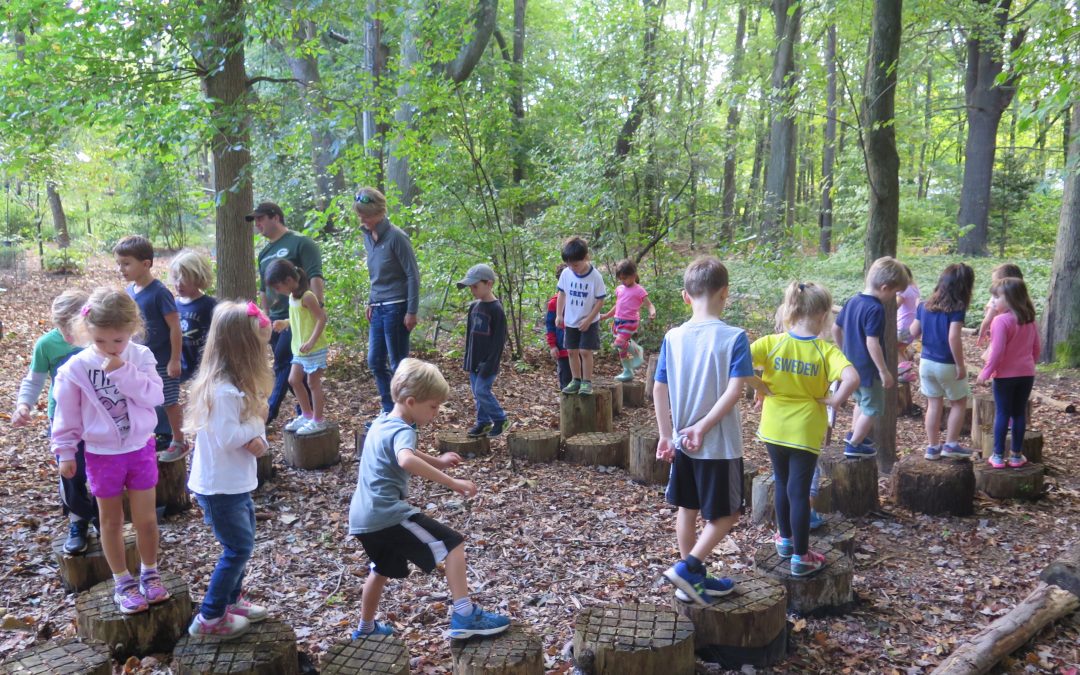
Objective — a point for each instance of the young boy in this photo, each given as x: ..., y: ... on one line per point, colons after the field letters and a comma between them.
x: 858, y: 330
x: 392, y: 531
x: 700, y: 373
x: 191, y: 274
x: 581, y: 295
x: 134, y: 257
x: 555, y: 336
x: 485, y: 336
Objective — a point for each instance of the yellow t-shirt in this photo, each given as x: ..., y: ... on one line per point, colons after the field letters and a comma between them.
x: 302, y: 322
x: 798, y: 371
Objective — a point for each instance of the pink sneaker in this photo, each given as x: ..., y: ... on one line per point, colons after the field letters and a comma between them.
x: 151, y: 587
x: 249, y: 610
x: 228, y: 627
x: 1017, y: 461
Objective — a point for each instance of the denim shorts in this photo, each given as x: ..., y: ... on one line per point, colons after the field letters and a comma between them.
x: 108, y: 475
x: 312, y: 361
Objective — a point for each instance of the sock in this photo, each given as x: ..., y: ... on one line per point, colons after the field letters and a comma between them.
x: 584, y: 381
x: 305, y: 416
x: 694, y: 565
x: 317, y: 419
x: 210, y: 622
x: 121, y: 578
x: 366, y: 627
x: 144, y: 570
x: 463, y: 606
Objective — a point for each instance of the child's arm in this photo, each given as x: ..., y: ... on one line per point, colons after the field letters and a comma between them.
x: 414, y: 463
x: 849, y: 382
x: 728, y: 400
x: 873, y: 347
x: 137, y: 379
x: 956, y: 346
x: 176, y: 341
x: 311, y: 303
x: 280, y: 325
x: 560, y: 310
x: 29, y: 391
x: 915, y: 329
x: 591, y: 316
x: 229, y: 431
x: 67, y: 427
x: 607, y: 315
x: 838, y: 335
x: 552, y: 339
x: 665, y: 449
x: 984, y: 327
x: 652, y: 308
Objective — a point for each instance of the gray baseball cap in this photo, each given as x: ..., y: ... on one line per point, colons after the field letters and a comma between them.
x: 480, y: 272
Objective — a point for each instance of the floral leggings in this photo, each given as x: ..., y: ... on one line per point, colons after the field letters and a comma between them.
x: 624, y: 330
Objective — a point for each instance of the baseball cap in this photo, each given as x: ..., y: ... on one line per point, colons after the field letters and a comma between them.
x: 266, y: 209
x: 480, y: 272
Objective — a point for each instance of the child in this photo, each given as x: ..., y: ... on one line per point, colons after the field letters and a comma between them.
x: 798, y: 367
x: 51, y: 351
x: 227, y: 412
x: 105, y: 397
x: 629, y: 297
x: 485, y: 336
x: 307, y: 321
x: 135, y: 257
x: 392, y: 531
x: 939, y: 322
x: 191, y: 274
x: 1014, y: 349
x: 907, y: 302
x: 859, y: 328
x: 700, y: 373
x: 992, y: 309
x: 581, y: 295
x: 555, y: 336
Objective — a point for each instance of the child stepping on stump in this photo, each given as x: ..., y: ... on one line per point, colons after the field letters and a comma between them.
x: 581, y: 295
x: 629, y: 297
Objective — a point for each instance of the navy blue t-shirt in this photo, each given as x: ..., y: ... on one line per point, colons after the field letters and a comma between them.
x: 863, y: 316
x: 935, y: 333
x: 194, y: 327
x: 155, y: 303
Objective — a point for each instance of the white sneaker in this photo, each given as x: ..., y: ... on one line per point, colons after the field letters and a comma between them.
x: 312, y: 428
x: 297, y: 423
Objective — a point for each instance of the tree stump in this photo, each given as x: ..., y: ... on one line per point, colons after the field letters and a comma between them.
x: 903, y: 398
x: 633, y: 394
x: 171, y: 492
x: 155, y: 630
x: 514, y: 652
x: 580, y: 414
x: 461, y: 443
x: 616, y: 389
x: 70, y: 656
x: 269, y: 648
x: 1031, y: 447
x: 374, y: 655
x: 982, y: 421
x: 644, y: 467
x: 314, y: 451
x: 837, y: 532
x: 633, y: 639
x: 1024, y: 483
x: 85, y: 570
x: 598, y: 449
x: 826, y: 591
x: 264, y: 467
x: 650, y: 375
x: 540, y: 445
x: 854, y: 482
x: 747, y: 626
x: 823, y: 500
x: 763, y: 502
x: 942, y: 486
x: 749, y: 473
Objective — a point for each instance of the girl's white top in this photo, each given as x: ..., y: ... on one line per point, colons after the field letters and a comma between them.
x: 220, y: 465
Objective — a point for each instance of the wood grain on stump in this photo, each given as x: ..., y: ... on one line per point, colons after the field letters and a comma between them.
x: 749, y: 473
x: 313, y: 451
x: 70, y: 656
x: 581, y: 414
x: 616, y: 389
x: 854, y: 481
x: 463, y: 444
x: 1031, y: 447
x: 827, y: 590
x: 598, y: 449
x: 748, y: 620
x: 538, y: 445
x: 155, y: 630
x: 982, y: 419
x: 264, y: 467
x: 85, y: 570
x: 633, y: 394
x: 171, y: 492
x: 933, y: 487
x: 359, y: 438
x: 373, y: 655
x: 1023, y: 483
x: 763, y: 501
x: 514, y: 652
x: 903, y: 398
x: 823, y: 501
x: 633, y: 639
x: 269, y: 648
x: 1064, y: 571
x: 650, y: 375
x: 644, y: 467
x: 837, y: 532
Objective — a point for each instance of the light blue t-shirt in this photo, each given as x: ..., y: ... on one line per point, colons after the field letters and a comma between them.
x: 383, y: 487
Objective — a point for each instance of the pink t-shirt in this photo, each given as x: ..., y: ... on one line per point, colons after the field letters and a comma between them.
x: 1014, y: 348
x: 628, y: 301
x: 905, y: 310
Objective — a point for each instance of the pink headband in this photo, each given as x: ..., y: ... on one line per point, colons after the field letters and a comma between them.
x: 253, y: 310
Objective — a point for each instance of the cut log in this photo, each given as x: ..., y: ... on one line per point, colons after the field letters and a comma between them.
x: 854, y: 482
x: 269, y: 648
x: 88, y: 569
x: 826, y: 591
x: 598, y: 449
x: 633, y: 394
x: 903, y: 398
x: 837, y: 532
x: 633, y: 639
x: 1031, y: 447
x: 70, y: 656
x: 155, y: 630
x: 313, y: 451
x: 463, y: 444
x: 942, y: 486
x: 171, y: 492
x: 1060, y: 406
x: 982, y: 421
x: 644, y: 467
x: 1065, y: 570
x: 823, y: 501
x: 515, y: 652
x: 1023, y: 483
x: 613, y: 386
x: 539, y: 445
x: 375, y: 654
x: 763, y: 501
x: 264, y: 467
x: 581, y: 414
x: 359, y: 437
x: 650, y: 375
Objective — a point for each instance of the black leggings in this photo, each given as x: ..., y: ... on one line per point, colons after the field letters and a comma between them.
x: 793, y: 470
x: 1010, y: 400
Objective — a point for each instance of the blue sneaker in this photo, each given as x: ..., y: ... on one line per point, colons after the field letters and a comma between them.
x: 380, y: 629
x: 715, y: 587
x: 955, y: 451
x: 692, y: 585
x: 784, y: 547
x: 860, y: 450
x: 477, y: 623
x: 933, y: 452
x: 807, y: 564
x: 816, y: 521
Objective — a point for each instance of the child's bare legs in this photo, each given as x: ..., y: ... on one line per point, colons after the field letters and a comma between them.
x: 175, y: 414
x: 455, y: 573
x: 933, y: 419
x: 369, y: 600
x: 586, y: 364
x: 575, y: 363
x: 296, y: 381
x: 861, y: 426
x: 144, y: 518
x: 957, y: 413
x: 318, y: 399
x: 111, y: 528
x: 700, y: 546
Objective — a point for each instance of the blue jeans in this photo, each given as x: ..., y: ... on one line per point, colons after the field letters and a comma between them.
x: 388, y: 345
x: 487, y: 406
x: 233, y: 520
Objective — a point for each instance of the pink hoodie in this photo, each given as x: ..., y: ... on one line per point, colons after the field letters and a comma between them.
x: 80, y: 414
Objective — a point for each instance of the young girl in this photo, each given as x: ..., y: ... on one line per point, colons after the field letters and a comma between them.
x: 798, y: 367
x: 906, y: 304
x: 191, y: 274
x: 1000, y: 272
x: 307, y: 320
x: 629, y: 297
x: 942, y: 371
x: 227, y: 413
x: 1014, y: 349
x: 105, y: 397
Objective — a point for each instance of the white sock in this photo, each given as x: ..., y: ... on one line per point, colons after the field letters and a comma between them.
x: 463, y: 606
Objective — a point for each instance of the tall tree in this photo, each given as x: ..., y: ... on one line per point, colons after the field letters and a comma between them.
x: 1061, y: 322
x: 787, y: 15
x: 828, y: 153
x: 63, y: 240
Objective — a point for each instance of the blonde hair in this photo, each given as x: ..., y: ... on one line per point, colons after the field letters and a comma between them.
x: 419, y: 379
x: 112, y: 308
x: 235, y: 352
x: 805, y: 301
x: 888, y: 271
x: 193, y: 267
x: 66, y: 308
x: 369, y: 202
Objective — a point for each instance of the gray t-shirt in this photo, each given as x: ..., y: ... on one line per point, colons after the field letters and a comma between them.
x: 383, y: 487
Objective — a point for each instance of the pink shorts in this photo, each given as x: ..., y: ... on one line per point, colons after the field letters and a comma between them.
x: 108, y: 475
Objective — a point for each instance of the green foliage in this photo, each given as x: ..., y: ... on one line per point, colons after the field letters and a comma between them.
x: 64, y: 261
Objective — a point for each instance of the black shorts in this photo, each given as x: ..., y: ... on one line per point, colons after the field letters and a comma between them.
x: 586, y: 339
x: 712, y: 486
x: 421, y: 540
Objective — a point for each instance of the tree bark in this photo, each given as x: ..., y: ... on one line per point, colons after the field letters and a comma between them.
x: 375, y: 56
x: 788, y: 17
x: 1061, y: 321
x: 731, y: 134
x: 879, y: 129
x: 828, y: 155
x: 63, y: 239
x: 924, y: 172
x: 624, y: 141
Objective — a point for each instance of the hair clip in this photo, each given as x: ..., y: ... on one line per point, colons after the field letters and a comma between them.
x: 85, y: 309
x: 253, y: 310
x: 802, y: 287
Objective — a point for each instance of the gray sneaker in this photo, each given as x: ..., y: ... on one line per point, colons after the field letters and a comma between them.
x: 175, y: 452
x: 297, y: 423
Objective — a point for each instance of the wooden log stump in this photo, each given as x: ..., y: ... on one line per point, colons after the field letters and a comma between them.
x: 88, y: 569
x: 1024, y: 483
x: 581, y: 414
x: 598, y: 449
x: 650, y: 375
x: 264, y: 468
x: 823, y: 501
x: 463, y: 444
x: 155, y: 630
x: 837, y: 532
x: 982, y: 421
x: 854, y: 482
x: 749, y: 473
x: 633, y: 639
x: 514, y: 652
x: 633, y: 394
x: 942, y: 486
x: 763, y: 501
x: 171, y: 492
x: 903, y: 398
x: 1064, y: 571
x: 826, y: 591
x: 539, y: 445
x: 644, y: 467
x: 70, y: 656
x: 313, y: 451
x: 374, y: 655
x: 616, y: 389
x: 1031, y: 447
x: 269, y: 648
x: 747, y: 626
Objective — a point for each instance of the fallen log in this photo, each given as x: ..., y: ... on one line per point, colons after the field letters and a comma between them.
x: 1061, y: 406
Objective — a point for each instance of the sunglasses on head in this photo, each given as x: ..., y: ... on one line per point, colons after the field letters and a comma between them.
x: 364, y: 199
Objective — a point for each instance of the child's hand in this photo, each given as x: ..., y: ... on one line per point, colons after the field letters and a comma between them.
x: 560, y: 322
x: 692, y: 438
x: 961, y: 372
x: 980, y: 381
x: 652, y: 313
x: 448, y: 460
x: 584, y: 325
x: 665, y: 450
x: 887, y: 379
x: 173, y: 369
x: 21, y: 416
x: 759, y: 399
x: 112, y: 363
x: 282, y: 324
x: 465, y: 488
x: 257, y: 446
x: 980, y: 341
x: 554, y: 351
x: 306, y: 347
x: 67, y: 468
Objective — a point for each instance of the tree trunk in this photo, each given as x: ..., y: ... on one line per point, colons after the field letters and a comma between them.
x: 375, y: 56
x: 879, y: 129
x: 828, y: 155
x: 788, y: 16
x: 731, y: 134
x: 63, y: 239
x: 1061, y: 321
x: 924, y: 172
x: 760, y: 146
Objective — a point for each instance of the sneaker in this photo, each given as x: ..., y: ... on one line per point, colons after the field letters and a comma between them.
x: 933, y: 452
x: 477, y: 623
x: 904, y: 366
x: 176, y: 451
x: 480, y: 429
x: 572, y: 388
x: 76, y: 539
x: 996, y: 461
x: 860, y: 450
x: 807, y: 564
x: 955, y: 451
x: 715, y: 587
x: 228, y: 627
x: 585, y: 389
x: 816, y: 521
x: 300, y: 421
x: 128, y: 598
x: 247, y: 609
x: 784, y: 549
x: 380, y: 629
x: 313, y: 427
x: 1017, y: 461
x: 637, y: 357
x: 152, y: 589
x: 692, y: 585
x: 499, y: 428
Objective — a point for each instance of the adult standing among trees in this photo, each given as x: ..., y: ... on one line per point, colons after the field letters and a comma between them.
x: 282, y: 243
x: 394, y: 295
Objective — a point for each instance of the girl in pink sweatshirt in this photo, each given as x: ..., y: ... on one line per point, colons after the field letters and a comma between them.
x: 1014, y: 349
x: 105, y: 397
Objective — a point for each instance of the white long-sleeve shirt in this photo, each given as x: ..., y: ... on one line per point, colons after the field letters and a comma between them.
x: 220, y: 465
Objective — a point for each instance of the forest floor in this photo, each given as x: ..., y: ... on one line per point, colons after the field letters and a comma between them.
x: 548, y: 539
